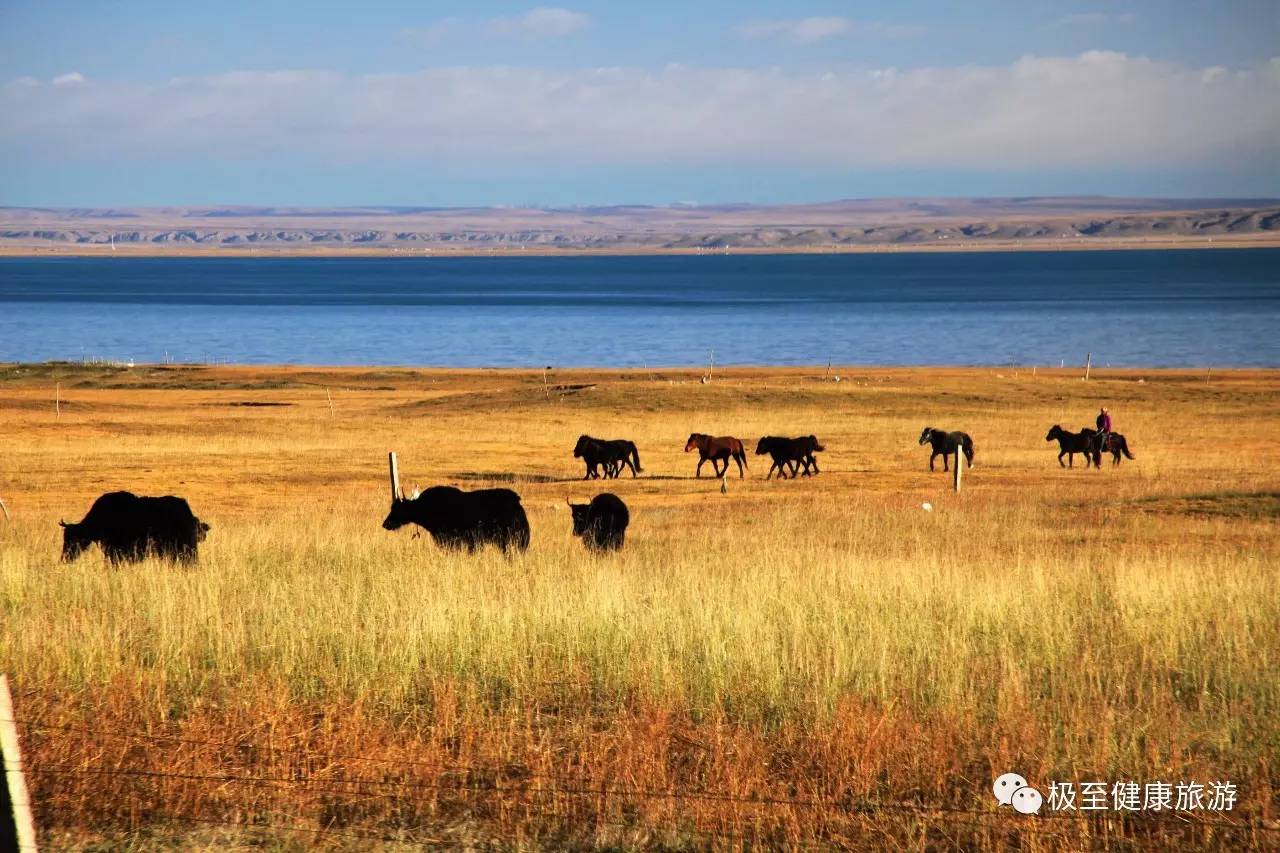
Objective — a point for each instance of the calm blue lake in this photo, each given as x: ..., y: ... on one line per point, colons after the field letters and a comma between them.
x: 1133, y: 308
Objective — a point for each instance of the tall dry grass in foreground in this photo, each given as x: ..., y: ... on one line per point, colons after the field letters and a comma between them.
x: 761, y: 667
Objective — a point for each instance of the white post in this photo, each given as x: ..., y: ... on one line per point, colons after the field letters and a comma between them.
x: 395, y: 476
x: 329, y: 397
x: 711, y: 368
x: 959, y: 465
x: 24, y: 826
x: 1088, y: 365
x: 4, y: 509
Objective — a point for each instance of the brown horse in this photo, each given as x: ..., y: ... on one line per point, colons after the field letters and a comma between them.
x: 718, y: 449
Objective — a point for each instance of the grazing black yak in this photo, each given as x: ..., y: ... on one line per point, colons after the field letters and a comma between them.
x: 129, y: 527
x: 613, y: 455
x: 602, y: 524
x: 790, y: 451
x: 945, y: 443
x: 458, y: 519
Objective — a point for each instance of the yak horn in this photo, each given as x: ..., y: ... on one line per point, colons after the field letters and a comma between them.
x: 396, y: 494
x: 61, y: 523
x: 569, y: 502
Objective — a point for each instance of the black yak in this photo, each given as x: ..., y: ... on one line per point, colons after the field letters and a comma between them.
x: 129, y: 527
x: 458, y: 519
x: 602, y: 524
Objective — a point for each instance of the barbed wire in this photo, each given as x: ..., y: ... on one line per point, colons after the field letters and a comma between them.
x: 863, y: 807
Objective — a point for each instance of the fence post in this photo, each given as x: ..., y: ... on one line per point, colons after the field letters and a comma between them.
x: 958, y: 466
x: 17, y: 828
x: 396, y: 494
x: 1088, y: 365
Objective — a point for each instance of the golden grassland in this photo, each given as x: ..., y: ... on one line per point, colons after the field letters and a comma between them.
x: 810, y: 662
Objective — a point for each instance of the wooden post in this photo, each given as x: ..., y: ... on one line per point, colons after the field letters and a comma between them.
x: 959, y: 466
x: 395, y: 476
x: 711, y: 368
x: 17, y: 827
x: 1088, y: 365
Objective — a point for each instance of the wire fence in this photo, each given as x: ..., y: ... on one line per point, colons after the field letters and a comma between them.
x: 518, y: 783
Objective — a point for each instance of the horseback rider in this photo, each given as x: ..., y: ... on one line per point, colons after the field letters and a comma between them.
x: 1103, y: 423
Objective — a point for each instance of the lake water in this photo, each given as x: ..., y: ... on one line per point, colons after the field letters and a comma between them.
x: 1133, y: 308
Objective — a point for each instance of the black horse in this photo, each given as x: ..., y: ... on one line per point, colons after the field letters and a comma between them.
x: 792, y: 452
x: 1071, y: 443
x: 612, y: 455
x: 1114, y: 443
x: 945, y: 444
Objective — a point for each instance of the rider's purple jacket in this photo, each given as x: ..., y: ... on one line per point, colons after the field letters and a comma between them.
x: 1104, y: 422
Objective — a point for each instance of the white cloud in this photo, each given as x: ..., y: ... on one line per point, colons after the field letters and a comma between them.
x: 1094, y: 19
x: 1099, y: 110
x: 432, y: 33
x: 810, y: 30
x: 69, y: 79
x: 798, y: 30
x: 542, y: 22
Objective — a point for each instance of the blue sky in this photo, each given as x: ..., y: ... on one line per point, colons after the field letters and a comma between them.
x: 319, y: 103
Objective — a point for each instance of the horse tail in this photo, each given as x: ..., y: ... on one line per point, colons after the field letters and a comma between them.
x: 1124, y: 447
x: 741, y: 454
x: 635, y: 455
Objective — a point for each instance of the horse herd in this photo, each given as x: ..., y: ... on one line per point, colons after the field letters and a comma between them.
x: 128, y: 527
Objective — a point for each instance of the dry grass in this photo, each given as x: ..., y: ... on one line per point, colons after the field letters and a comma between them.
x: 821, y: 644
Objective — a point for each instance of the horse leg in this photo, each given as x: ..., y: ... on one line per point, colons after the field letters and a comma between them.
x: 945, y: 462
x: 931, y: 457
x: 813, y: 460
x: 739, y: 461
x: 698, y: 471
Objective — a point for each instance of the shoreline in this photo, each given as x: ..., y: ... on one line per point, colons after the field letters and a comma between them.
x: 24, y: 371
x: 1262, y: 241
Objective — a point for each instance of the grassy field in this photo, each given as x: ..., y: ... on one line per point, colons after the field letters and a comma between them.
x: 811, y: 662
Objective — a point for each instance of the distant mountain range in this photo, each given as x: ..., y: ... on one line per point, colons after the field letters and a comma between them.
x: 847, y: 224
